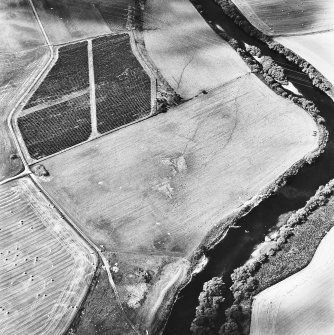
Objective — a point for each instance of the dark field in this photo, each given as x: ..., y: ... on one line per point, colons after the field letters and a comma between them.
x: 123, y: 89
x: 56, y: 128
x: 69, y: 74
x: 299, y: 250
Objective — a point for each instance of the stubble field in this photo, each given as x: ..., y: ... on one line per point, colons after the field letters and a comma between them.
x: 188, y: 53
x: 277, y: 17
x: 46, y: 268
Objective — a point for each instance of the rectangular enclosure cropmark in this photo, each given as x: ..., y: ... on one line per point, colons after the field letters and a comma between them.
x: 123, y: 89
x: 68, y: 75
x: 56, y: 128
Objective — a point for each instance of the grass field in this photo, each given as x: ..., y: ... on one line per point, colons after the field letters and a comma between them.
x: 302, y: 304
x: 190, y: 56
x: 277, y: 17
x: 162, y: 184
x: 69, y: 21
x: 46, y: 267
x: 317, y: 49
x: 123, y: 88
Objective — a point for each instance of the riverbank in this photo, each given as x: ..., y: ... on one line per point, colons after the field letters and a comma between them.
x: 268, y: 213
x: 302, y: 303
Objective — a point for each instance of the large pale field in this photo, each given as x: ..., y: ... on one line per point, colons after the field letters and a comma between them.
x: 67, y: 21
x: 191, y: 57
x: 317, y: 49
x: 161, y: 185
x: 302, y: 304
x: 284, y: 17
x: 22, y: 56
x: 46, y: 268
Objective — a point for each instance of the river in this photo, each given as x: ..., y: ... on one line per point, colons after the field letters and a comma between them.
x: 238, y: 245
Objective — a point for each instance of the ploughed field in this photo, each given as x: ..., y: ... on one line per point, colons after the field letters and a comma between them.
x: 59, y: 113
x: 46, y: 268
x: 123, y: 88
x: 277, y: 17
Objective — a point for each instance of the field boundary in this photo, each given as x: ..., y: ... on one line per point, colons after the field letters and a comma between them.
x: 150, y: 73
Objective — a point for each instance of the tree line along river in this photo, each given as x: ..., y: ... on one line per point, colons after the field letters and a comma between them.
x: 238, y: 244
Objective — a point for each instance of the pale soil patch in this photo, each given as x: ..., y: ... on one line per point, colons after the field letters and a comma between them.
x: 277, y: 17
x: 22, y: 56
x: 302, y: 304
x: 317, y: 49
x: 161, y: 185
x: 46, y: 268
x: 190, y: 56
x: 67, y: 21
